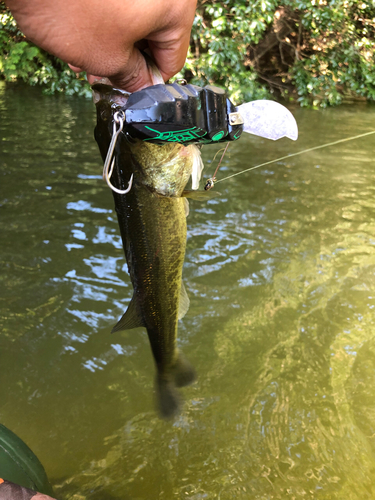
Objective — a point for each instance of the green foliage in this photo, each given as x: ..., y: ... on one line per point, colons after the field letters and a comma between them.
x: 326, y: 56
x: 222, y: 33
x: 22, y: 60
x: 336, y: 59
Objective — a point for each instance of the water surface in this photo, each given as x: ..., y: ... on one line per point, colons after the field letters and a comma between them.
x: 280, y: 271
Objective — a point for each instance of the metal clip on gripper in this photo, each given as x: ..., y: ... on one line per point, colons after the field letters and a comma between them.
x: 118, y: 119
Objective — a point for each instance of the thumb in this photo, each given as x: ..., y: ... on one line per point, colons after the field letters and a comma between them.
x: 134, y: 75
x: 170, y: 54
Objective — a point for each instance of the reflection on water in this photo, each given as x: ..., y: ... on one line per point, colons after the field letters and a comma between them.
x: 280, y: 273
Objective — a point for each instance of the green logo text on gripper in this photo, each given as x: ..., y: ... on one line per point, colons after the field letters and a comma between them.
x: 189, y: 134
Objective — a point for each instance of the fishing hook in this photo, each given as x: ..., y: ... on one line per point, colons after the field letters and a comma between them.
x: 118, y: 119
x: 210, y: 183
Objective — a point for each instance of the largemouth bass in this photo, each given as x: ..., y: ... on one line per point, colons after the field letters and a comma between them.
x: 152, y: 220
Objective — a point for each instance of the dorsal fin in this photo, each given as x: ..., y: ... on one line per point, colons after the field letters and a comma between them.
x: 130, y: 319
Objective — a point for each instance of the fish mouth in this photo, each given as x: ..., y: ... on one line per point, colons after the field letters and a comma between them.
x: 103, y: 90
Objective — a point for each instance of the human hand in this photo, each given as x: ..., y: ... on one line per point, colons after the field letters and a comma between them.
x: 103, y: 38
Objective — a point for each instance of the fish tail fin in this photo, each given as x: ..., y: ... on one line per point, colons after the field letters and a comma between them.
x: 168, y: 399
x: 184, y: 373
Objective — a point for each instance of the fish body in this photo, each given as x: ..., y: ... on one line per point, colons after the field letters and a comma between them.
x: 152, y: 221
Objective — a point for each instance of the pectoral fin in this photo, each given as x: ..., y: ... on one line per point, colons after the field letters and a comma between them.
x: 200, y: 195
x: 186, y: 206
x: 130, y: 319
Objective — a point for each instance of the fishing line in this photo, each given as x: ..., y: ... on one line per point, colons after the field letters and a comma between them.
x: 210, y: 182
x: 299, y: 153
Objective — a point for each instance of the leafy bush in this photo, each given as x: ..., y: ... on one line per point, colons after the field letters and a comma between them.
x: 324, y: 49
x: 316, y: 52
x: 221, y: 35
x: 22, y: 60
x: 337, y: 55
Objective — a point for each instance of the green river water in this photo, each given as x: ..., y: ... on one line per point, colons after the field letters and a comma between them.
x: 280, y: 271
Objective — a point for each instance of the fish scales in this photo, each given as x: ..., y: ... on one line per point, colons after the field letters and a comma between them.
x: 152, y: 221
x: 156, y: 236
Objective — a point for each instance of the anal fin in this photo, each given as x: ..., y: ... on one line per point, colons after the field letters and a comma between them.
x: 184, y: 302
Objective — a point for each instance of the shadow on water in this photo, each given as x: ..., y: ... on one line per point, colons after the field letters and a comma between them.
x: 280, y: 273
